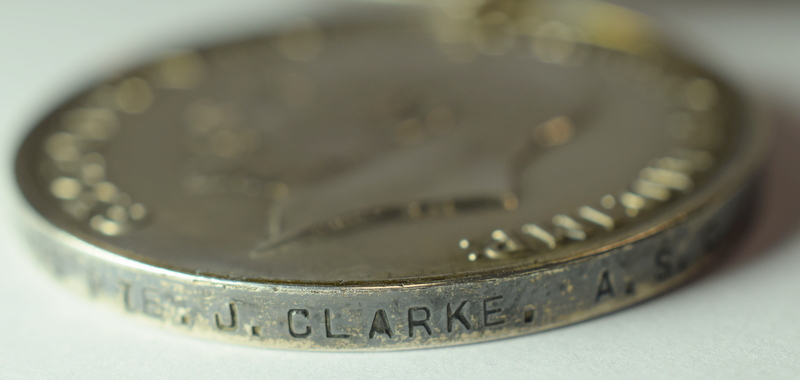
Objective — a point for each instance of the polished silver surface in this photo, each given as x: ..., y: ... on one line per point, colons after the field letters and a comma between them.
x: 390, y: 183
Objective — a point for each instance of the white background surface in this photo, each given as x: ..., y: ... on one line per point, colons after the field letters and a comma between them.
x: 740, y: 321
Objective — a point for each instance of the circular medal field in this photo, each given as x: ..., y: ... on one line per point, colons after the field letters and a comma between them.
x: 385, y: 181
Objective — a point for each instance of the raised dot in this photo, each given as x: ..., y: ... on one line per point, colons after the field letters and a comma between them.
x: 278, y: 190
x: 203, y: 116
x: 608, y: 202
x: 553, y: 132
x: 463, y: 243
x: 76, y: 208
x: 105, y: 226
x: 117, y: 214
x: 700, y: 94
x: 91, y: 123
x: 92, y: 173
x: 510, y: 202
x: 137, y: 211
x: 63, y: 147
x: 184, y: 70
x: 133, y: 95
x: 499, y: 235
x: 66, y: 188
x: 105, y: 191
